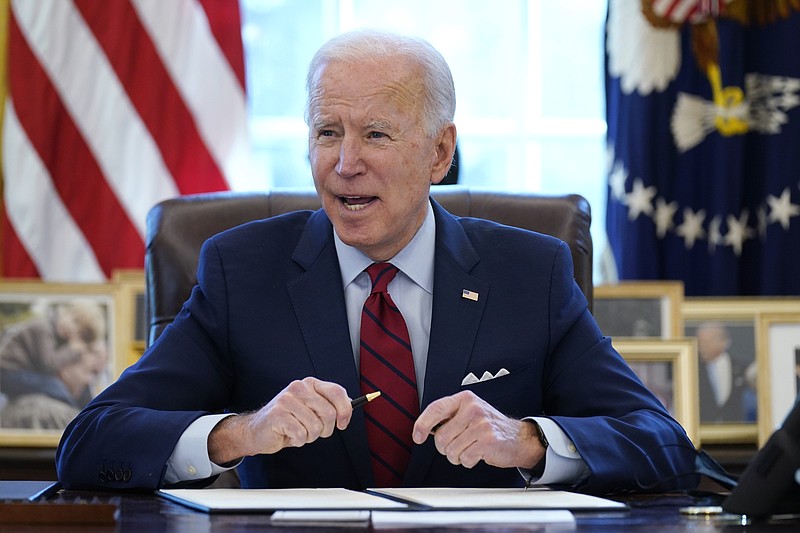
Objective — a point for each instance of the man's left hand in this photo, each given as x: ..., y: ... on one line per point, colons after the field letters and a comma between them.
x: 467, y: 430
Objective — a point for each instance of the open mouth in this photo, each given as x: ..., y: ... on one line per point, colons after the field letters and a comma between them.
x: 355, y: 203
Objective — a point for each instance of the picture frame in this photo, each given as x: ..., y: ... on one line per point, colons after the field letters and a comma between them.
x: 740, y: 317
x: 132, y: 317
x: 669, y: 369
x: 778, y: 356
x: 59, y: 347
x: 639, y: 309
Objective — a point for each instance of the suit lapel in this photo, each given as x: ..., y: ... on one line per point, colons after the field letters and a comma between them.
x: 318, y: 301
x: 454, y: 324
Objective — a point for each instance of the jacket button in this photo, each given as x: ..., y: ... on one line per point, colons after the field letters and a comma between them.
x: 102, y: 476
x: 126, y: 476
x: 118, y: 474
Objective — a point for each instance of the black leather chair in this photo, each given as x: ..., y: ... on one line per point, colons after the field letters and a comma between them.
x: 177, y: 228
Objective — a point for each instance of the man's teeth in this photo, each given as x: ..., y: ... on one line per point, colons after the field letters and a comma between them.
x: 355, y: 203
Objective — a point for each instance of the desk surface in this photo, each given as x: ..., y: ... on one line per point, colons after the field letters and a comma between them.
x: 156, y: 515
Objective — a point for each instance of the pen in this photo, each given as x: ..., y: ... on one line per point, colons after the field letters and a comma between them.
x: 361, y: 400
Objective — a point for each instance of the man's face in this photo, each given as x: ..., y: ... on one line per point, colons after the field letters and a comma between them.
x: 712, y: 341
x: 371, y: 160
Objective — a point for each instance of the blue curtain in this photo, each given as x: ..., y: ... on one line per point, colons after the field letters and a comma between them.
x: 704, y: 150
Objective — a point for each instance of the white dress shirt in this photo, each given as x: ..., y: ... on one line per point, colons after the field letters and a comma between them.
x: 412, y: 292
x: 720, y: 374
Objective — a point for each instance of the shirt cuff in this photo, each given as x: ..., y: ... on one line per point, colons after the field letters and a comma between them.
x: 189, y: 460
x: 563, y: 463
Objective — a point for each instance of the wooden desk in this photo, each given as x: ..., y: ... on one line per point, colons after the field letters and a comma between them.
x: 155, y: 515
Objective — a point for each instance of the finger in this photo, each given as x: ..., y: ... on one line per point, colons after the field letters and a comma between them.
x: 300, y: 413
x: 434, y: 416
x: 470, y: 455
x: 321, y: 415
x: 294, y: 433
x: 336, y: 397
x: 456, y: 435
x: 453, y: 447
x: 332, y: 406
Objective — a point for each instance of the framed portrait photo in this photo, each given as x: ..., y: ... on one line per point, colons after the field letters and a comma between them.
x: 728, y: 371
x: 778, y: 357
x: 668, y: 368
x: 639, y: 309
x: 59, y: 347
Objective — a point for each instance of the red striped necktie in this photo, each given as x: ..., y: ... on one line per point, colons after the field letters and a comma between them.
x: 387, y: 366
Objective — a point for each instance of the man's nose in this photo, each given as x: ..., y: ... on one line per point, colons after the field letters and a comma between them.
x: 351, y: 162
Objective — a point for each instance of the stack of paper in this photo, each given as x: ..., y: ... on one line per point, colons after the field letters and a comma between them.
x: 268, y: 500
x: 397, y: 507
x: 498, y: 498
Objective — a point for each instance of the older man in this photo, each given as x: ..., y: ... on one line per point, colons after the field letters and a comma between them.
x: 282, y: 330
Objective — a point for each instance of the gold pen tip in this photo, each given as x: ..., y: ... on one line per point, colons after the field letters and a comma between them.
x: 372, y: 395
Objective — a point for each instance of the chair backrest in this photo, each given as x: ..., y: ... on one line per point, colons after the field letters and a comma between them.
x: 177, y: 228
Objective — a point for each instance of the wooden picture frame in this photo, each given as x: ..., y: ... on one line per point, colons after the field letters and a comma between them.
x: 59, y: 347
x: 133, y: 327
x: 669, y: 369
x: 778, y: 356
x: 740, y: 316
x: 640, y: 309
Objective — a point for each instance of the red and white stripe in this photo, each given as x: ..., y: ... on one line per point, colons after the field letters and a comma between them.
x: 112, y: 107
x: 680, y: 11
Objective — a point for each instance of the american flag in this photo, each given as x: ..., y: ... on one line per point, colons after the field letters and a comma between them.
x: 112, y: 106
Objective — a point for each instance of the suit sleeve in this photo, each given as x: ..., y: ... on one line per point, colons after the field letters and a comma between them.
x: 125, y: 436
x: 622, y: 432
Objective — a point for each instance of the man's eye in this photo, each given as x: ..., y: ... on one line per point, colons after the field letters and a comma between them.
x: 326, y: 133
x: 376, y: 135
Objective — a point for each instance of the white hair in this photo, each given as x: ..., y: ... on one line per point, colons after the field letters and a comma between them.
x: 439, y: 98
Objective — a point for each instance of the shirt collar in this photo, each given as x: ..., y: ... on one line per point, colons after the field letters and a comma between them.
x: 415, y: 260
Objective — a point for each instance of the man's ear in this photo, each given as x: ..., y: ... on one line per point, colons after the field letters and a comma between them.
x: 444, y: 149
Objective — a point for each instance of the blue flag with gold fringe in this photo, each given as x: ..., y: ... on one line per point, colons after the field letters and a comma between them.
x: 703, y: 111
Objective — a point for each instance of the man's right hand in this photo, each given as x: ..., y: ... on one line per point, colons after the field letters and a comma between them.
x: 301, y: 413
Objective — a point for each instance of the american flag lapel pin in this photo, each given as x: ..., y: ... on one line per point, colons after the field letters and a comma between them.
x: 469, y: 295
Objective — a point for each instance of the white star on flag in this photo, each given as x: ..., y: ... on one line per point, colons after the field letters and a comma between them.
x: 782, y: 209
x: 640, y: 199
x: 738, y: 232
x: 665, y: 212
x: 616, y: 181
x: 692, y: 227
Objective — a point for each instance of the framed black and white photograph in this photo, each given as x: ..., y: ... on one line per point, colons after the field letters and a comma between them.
x: 778, y: 358
x: 668, y: 368
x: 58, y: 349
x: 641, y: 309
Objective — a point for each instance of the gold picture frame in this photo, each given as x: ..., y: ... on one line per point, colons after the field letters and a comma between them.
x: 669, y: 369
x: 59, y: 347
x: 740, y: 317
x: 133, y: 328
x: 639, y: 309
x: 778, y: 356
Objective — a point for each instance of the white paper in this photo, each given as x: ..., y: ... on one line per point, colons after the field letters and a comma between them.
x: 278, y: 499
x: 386, y: 519
x: 317, y: 518
x: 499, y: 498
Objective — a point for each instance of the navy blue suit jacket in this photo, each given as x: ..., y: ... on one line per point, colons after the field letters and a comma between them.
x: 269, y: 309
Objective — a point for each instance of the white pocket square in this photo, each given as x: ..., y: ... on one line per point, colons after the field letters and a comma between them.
x: 472, y: 378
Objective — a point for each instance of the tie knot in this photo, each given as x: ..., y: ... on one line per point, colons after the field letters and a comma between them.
x: 381, y: 274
